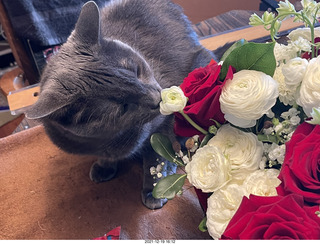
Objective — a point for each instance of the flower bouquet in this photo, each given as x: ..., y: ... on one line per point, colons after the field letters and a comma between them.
x: 252, y: 124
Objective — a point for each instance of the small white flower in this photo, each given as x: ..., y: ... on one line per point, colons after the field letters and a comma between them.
x: 285, y: 115
x: 295, y: 120
x: 315, y: 114
x: 277, y: 153
x: 267, y: 147
x: 302, y: 44
x: 293, y: 111
x: 159, y: 175
x: 247, y: 97
x: 153, y: 170
x: 159, y: 168
x: 285, y: 7
x: 255, y: 20
x: 290, y: 113
x: 173, y: 100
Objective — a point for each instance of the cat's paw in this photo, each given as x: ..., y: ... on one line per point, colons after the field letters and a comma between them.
x: 152, y: 203
x: 100, y: 174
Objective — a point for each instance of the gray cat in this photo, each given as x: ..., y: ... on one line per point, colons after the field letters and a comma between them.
x: 100, y: 94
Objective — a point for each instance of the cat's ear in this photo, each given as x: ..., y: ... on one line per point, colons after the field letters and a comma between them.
x: 87, y: 28
x: 47, y: 103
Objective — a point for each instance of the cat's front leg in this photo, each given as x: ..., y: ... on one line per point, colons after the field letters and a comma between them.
x: 152, y: 159
x: 102, y: 170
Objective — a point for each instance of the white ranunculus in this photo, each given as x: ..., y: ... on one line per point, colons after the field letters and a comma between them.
x: 309, y: 95
x: 209, y: 169
x: 247, y: 97
x: 304, y: 33
x: 294, y: 71
x: 173, y: 100
x: 243, y: 150
x: 262, y: 182
x: 222, y: 205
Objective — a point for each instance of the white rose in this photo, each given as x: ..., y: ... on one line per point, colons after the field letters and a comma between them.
x: 309, y: 95
x: 294, y: 71
x: 209, y: 169
x: 222, y: 205
x: 304, y: 33
x: 243, y: 150
x: 247, y: 97
x: 173, y: 100
x: 262, y: 182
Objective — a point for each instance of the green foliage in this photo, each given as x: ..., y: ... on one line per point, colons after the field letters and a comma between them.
x: 206, y: 139
x: 234, y: 46
x: 169, y: 186
x: 203, y: 225
x: 269, y: 138
x: 163, y: 146
x: 251, y: 56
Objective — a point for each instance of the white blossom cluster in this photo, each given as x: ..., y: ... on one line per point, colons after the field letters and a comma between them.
x: 298, y: 78
x: 157, y: 171
x: 274, y: 153
x: 228, y: 167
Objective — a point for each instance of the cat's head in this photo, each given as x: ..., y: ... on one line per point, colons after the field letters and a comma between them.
x: 96, y: 92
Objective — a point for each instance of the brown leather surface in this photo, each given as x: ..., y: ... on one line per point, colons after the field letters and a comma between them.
x: 47, y: 194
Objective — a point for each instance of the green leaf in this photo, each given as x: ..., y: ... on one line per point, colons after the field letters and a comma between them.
x: 234, y: 46
x: 251, y: 56
x: 169, y: 186
x: 268, y: 138
x: 163, y: 146
x: 203, y: 225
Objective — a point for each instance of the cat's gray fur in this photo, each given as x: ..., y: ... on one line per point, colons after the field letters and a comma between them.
x: 100, y: 94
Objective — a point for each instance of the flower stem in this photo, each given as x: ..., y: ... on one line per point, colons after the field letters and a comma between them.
x: 193, y: 123
x: 301, y: 15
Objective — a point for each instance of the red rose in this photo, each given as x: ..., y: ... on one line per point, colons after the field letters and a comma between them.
x: 271, y: 218
x: 300, y: 172
x: 203, y: 89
